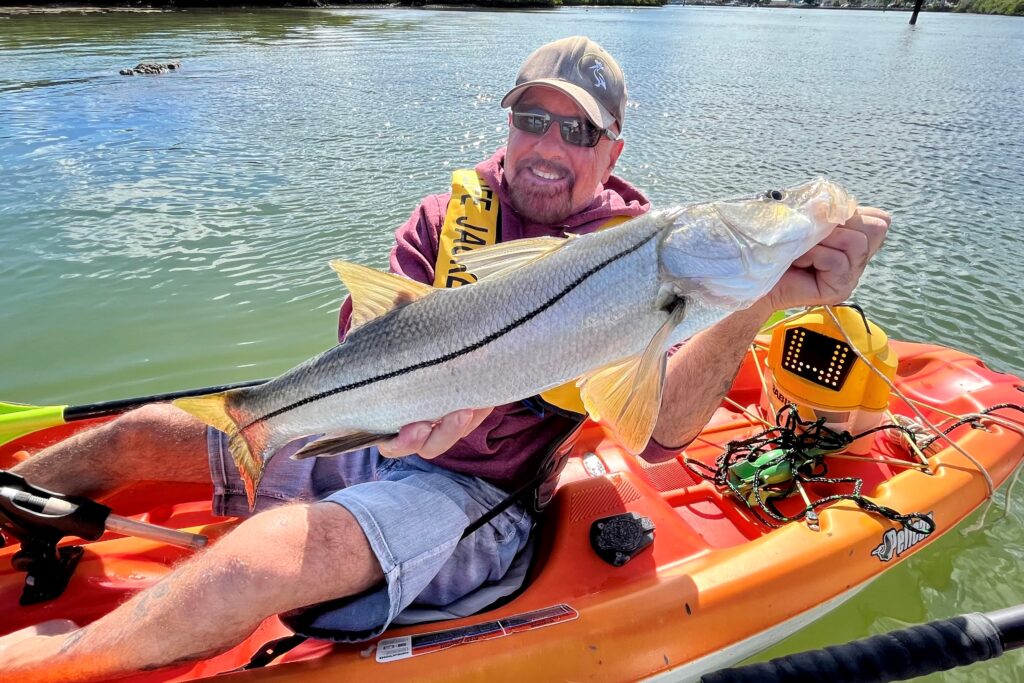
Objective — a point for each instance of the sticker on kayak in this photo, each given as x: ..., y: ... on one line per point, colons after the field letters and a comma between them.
x: 393, y: 649
x: 895, y: 543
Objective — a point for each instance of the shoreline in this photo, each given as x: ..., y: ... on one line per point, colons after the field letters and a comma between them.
x: 173, y: 6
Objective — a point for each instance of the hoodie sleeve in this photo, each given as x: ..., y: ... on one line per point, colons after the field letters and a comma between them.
x: 415, y: 251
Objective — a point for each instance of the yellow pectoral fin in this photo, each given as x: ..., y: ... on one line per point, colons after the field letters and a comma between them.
x: 375, y: 293
x: 566, y: 397
x: 626, y: 395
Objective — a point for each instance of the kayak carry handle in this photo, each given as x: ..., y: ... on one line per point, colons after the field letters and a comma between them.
x: 896, y: 656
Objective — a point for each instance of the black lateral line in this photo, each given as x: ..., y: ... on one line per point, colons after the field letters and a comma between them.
x: 455, y: 354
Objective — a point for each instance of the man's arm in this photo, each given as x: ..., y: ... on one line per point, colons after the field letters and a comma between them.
x: 701, y: 372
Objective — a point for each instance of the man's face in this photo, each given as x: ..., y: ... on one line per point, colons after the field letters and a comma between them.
x: 549, y: 179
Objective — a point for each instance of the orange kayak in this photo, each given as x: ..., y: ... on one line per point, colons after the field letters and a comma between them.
x: 716, y: 585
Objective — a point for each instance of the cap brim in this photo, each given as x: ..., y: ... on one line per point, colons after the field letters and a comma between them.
x: 597, y: 114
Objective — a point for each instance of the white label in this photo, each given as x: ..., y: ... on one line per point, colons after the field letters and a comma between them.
x: 393, y: 649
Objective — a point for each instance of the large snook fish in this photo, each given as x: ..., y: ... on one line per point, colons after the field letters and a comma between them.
x: 601, y: 309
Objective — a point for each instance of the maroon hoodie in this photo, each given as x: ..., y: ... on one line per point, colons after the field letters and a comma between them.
x: 505, y: 448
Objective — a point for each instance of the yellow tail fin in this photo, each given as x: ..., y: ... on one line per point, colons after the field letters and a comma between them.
x: 246, y: 449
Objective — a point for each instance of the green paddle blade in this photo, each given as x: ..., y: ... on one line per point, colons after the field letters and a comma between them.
x: 17, y: 420
x: 775, y: 317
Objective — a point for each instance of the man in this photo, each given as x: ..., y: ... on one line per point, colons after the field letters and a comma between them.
x: 369, y: 541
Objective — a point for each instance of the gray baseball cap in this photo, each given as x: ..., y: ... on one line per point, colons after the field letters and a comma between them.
x: 580, y: 68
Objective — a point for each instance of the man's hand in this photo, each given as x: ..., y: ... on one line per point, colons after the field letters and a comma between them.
x: 431, y: 439
x: 829, y: 272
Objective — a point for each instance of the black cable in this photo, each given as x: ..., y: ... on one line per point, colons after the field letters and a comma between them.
x: 973, y: 420
x: 804, y: 444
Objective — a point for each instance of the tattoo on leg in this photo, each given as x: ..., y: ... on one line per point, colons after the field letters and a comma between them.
x: 73, y: 638
x: 155, y: 593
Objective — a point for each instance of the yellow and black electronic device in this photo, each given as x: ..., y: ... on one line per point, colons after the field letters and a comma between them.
x: 812, y: 365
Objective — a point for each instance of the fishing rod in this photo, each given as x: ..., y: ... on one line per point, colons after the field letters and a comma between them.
x: 17, y: 420
x: 895, y: 656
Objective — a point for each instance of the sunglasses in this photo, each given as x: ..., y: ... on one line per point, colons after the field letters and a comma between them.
x: 575, y: 131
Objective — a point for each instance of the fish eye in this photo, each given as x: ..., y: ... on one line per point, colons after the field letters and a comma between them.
x: 777, y: 195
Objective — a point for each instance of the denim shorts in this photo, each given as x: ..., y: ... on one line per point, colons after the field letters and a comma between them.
x: 413, y: 514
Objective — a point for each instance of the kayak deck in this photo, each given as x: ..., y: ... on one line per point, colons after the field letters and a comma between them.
x: 716, y: 585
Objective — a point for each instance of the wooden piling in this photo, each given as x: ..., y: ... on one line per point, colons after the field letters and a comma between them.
x: 917, y: 8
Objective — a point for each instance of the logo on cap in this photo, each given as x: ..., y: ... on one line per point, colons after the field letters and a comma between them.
x: 592, y: 63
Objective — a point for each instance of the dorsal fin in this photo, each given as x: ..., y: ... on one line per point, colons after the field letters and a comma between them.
x: 505, y: 257
x: 374, y: 293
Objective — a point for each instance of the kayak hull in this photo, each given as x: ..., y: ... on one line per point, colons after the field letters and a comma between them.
x: 715, y: 587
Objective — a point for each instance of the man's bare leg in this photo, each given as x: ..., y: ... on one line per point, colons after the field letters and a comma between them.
x: 154, y: 443
x: 278, y: 560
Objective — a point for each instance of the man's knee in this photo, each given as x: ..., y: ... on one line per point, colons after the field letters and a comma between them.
x: 155, y: 421
x: 162, y: 442
x: 307, y: 553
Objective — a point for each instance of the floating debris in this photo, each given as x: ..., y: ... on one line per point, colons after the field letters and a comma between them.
x: 150, y: 69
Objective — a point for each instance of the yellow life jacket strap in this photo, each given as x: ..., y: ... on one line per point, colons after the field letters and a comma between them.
x: 473, y: 220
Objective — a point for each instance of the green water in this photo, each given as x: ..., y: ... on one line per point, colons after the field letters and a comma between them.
x: 159, y: 233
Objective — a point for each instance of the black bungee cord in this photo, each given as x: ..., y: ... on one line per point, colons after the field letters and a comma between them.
x: 804, y: 444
